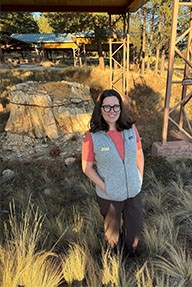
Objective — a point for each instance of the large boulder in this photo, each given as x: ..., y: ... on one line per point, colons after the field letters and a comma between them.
x: 41, y: 110
x: 44, y: 113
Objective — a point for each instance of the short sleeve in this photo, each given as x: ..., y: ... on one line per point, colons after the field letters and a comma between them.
x: 138, y: 140
x: 1, y: 107
x: 87, y: 148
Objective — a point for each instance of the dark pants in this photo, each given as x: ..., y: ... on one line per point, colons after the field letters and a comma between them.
x: 122, y: 220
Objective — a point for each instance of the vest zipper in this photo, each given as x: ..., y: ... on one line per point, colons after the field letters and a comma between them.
x: 126, y: 179
x: 124, y: 167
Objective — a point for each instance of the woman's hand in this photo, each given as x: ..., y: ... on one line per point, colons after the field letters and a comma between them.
x: 88, y: 169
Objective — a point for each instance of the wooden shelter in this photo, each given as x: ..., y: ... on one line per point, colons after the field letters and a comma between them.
x: 75, y: 45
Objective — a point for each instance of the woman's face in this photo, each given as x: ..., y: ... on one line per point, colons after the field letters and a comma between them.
x: 110, y: 110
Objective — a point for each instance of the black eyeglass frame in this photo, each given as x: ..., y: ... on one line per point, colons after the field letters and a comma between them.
x: 116, y: 110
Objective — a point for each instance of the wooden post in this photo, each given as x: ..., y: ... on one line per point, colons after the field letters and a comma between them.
x: 186, y: 74
x: 170, y: 70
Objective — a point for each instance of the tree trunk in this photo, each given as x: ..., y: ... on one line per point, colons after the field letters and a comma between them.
x: 2, y: 60
x: 151, y: 25
x: 157, y: 60
x: 148, y: 61
x: 101, y: 58
x: 158, y: 45
x: 162, y: 62
x: 143, y: 42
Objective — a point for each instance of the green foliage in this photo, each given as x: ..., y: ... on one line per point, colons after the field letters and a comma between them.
x: 135, y: 30
x: 158, y: 21
x: 159, y: 16
x: 177, y: 264
x: 20, y: 22
x: 79, y: 22
x: 158, y: 232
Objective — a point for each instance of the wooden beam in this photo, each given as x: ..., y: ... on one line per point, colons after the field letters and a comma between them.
x: 134, y: 5
x: 173, y: 149
x: 111, y: 7
x: 59, y: 45
x: 185, y: 4
x: 55, y: 8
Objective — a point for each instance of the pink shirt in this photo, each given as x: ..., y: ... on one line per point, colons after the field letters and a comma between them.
x: 117, y: 137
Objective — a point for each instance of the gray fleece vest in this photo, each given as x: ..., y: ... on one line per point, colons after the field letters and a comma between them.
x: 122, y: 177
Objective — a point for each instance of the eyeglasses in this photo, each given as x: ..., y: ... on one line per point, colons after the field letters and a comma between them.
x: 108, y: 108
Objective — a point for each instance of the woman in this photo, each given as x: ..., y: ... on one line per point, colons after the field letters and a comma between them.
x: 112, y: 158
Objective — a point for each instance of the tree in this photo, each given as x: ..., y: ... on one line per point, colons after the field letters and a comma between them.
x: 135, y: 34
x: 159, y: 15
x: 143, y: 47
x: 155, y: 24
x: 43, y: 24
x: 12, y: 22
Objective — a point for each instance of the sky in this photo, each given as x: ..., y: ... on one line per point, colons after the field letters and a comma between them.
x: 37, y: 14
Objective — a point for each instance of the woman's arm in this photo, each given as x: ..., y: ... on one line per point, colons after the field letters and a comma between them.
x: 89, y: 170
x: 88, y: 162
x: 139, y: 155
x: 1, y: 107
x: 140, y: 161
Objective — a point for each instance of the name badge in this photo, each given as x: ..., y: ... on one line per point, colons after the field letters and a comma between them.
x: 105, y: 149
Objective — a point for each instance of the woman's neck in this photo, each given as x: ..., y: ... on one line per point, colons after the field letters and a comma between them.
x: 112, y: 127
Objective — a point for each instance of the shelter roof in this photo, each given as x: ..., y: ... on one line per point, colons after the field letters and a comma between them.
x: 50, y: 38
x: 109, y: 6
x: 12, y: 43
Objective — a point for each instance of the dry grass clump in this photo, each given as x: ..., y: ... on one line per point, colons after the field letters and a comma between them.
x: 111, y: 265
x: 34, y: 270
x: 177, y: 264
x: 156, y: 198
x: 145, y: 276
x: 167, y: 230
x: 93, y: 275
x: 21, y: 263
x: 149, y: 276
x: 158, y: 232
x: 47, y: 64
x: 74, y: 264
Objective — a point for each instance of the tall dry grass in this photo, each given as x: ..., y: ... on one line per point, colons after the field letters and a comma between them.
x: 21, y: 263
x: 110, y: 267
x: 74, y: 264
